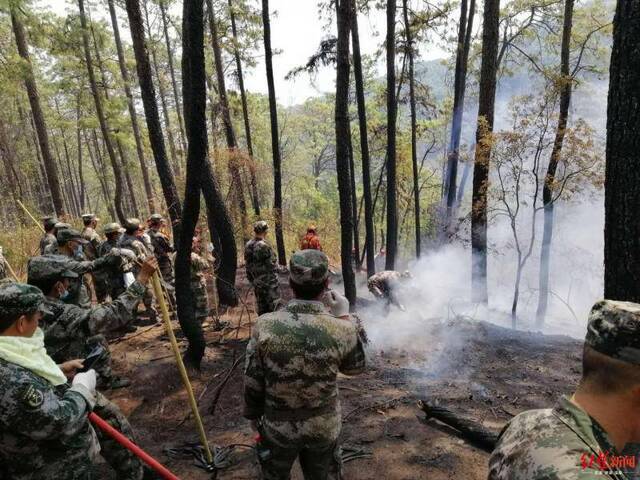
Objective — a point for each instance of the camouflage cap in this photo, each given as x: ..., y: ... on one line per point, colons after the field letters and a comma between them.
x: 20, y: 298
x: 49, y: 222
x: 132, y: 224
x: 156, y: 218
x: 614, y: 330
x: 89, y: 216
x: 112, y: 227
x: 61, y: 225
x: 50, y: 267
x: 68, y: 234
x: 309, y: 267
x: 260, y: 226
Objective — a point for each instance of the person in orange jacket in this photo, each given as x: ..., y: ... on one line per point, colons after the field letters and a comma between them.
x: 311, y: 241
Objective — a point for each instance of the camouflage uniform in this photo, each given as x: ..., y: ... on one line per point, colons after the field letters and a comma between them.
x: 3, y: 266
x: 91, y: 248
x: 108, y: 280
x: 382, y: 285
x: 199, y: 285
x: 47, y: 243
x: 292, y: 362
x: 561, y: 443
x: 261, y: 265
x: 44, y: 430
x: 162, y: 249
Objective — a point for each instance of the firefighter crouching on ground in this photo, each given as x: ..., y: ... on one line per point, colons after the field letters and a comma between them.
x: 292, y: 363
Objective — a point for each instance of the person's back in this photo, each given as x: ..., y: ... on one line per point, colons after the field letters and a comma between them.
x: 311, y: 241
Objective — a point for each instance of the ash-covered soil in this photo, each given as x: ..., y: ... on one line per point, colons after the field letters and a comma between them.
x: 486, y: 373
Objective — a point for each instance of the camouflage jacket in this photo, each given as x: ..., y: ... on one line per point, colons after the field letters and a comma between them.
x: 68, y: 327
x: 78, y: 294
x: 199, y: 265
x: 111, y: 274
x: 293, y: 359
x: 44, y: 431
x: 48, y: 240
x: 91, y: 249
x: 260, y: 261
x: 162, y: 249
x: 382, y: 283
x: 563, y: 443
x: 136, y: 245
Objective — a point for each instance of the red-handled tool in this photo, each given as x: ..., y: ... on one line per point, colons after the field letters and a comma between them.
x: 132, y: 447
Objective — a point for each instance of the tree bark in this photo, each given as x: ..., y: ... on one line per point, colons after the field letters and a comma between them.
x: 174, y: 84
x: 97, y: 164
x: 392, y: 110
x: 343, y: 141
x: 486, y: 106
x: 38, y: 116
x: 354, y: 202
x: 194, y: 91
x: 414, y: 136
x: 566, y: 82
x: 83, y: 188
x: 622, y: 196
x: 101, y: 116
x: 364, y: 145
x: 148, y: 187
x: 245, y: 113
x: 275, y: 133
x: 154, y: 127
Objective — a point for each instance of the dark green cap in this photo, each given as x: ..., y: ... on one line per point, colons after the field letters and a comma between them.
x: 19, y: 299
x: 67, y: 234
x: 49, y: 222
x: 131, y: 224
x: 49, y: 267
x: 309, y: 267
x: 614, y: 330
x: 260, y: 226
x: 156, y: 218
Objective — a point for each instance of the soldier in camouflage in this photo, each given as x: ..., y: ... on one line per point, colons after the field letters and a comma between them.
x: 132, y: 239
x: 52, y: 248
x: 72, y: 331
x: 49, y: 238
x: 162, y: 247
x: 383, y: 285
x: 90, y: 249
x: 44, y: 430
x: 596, y: 432
x: 290, y: 387
x: 262, y: 270
x: 109, y: 280
x: 199, y: 267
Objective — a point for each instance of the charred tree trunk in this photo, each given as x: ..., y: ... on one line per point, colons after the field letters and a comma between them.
x: 194, y: 91
x: 245, y: 113
x: 38, y: 116
x: 148, y: 187
x: 343, y: 141
x: 154, y: 127
x: 232, y: 145
x: 486, y: 105
x: 275, y: 135
x: 101, y: 116
x: 622, y: 196
x: 364, y: 145
x: 565, y: 84
x: 414, y: 136
x: 174, y: 84
x: 392, y: 109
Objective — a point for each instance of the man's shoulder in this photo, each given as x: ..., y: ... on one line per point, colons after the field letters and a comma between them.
x: 20, y: 386
x: 283, y: 321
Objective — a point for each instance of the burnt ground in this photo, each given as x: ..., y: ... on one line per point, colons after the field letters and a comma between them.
x: 492, y: 375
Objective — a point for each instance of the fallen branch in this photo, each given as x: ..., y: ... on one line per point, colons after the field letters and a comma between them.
x: 472, y: 431
x: 386, y: 404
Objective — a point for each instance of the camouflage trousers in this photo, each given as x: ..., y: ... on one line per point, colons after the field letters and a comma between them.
x: 201, y: 300
x: 267, y: 295
x: 125, y: 463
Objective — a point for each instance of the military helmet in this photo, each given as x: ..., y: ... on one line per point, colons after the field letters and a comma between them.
x: 20, y: 299
x: 49, y: 222
x: 156, y: 218
x: 111, y: 228
x: 131, y: 224
x: 68, y: 234
x: 614, y: 330
x: 260, y: 226
x: 49, y: 268
x: 309, y: 267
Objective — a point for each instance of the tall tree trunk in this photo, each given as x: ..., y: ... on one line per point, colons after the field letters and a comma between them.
x: 163, y: 96
x: 83, y: 188
x: 174, y: 84
x: 232, y: 145
x: 101, y: 116
x: 195, y: 101
x: 392, y: 110
x: 486, y: 105
x: 154, y: 127
x: 38, y: 115
x: 343, y: 141
x: 148, y: 187
x: 31, y: 141
x: 565, y: 84
x: 462, y: 59
x: 66, y: 194
x: 364, y: 145
x: 354, y: 201
x: 245, y: 112
x: 414, y: 139
x: 275, y: 135
x: 95, y: 161
x: 622, y: 196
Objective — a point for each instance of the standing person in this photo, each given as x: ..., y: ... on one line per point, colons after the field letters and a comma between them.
x: 49, y: 237
x: 162, y: 249
x: 262, y: 269
x: 292, y: 363
x: 199, y: 265
x: 380, y: 259
x: 595, y: 433
x: 45, y: 431
x: 311, y: 240
x: 90, y: 222
x: 132, y: 239
x: 110, y: 280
